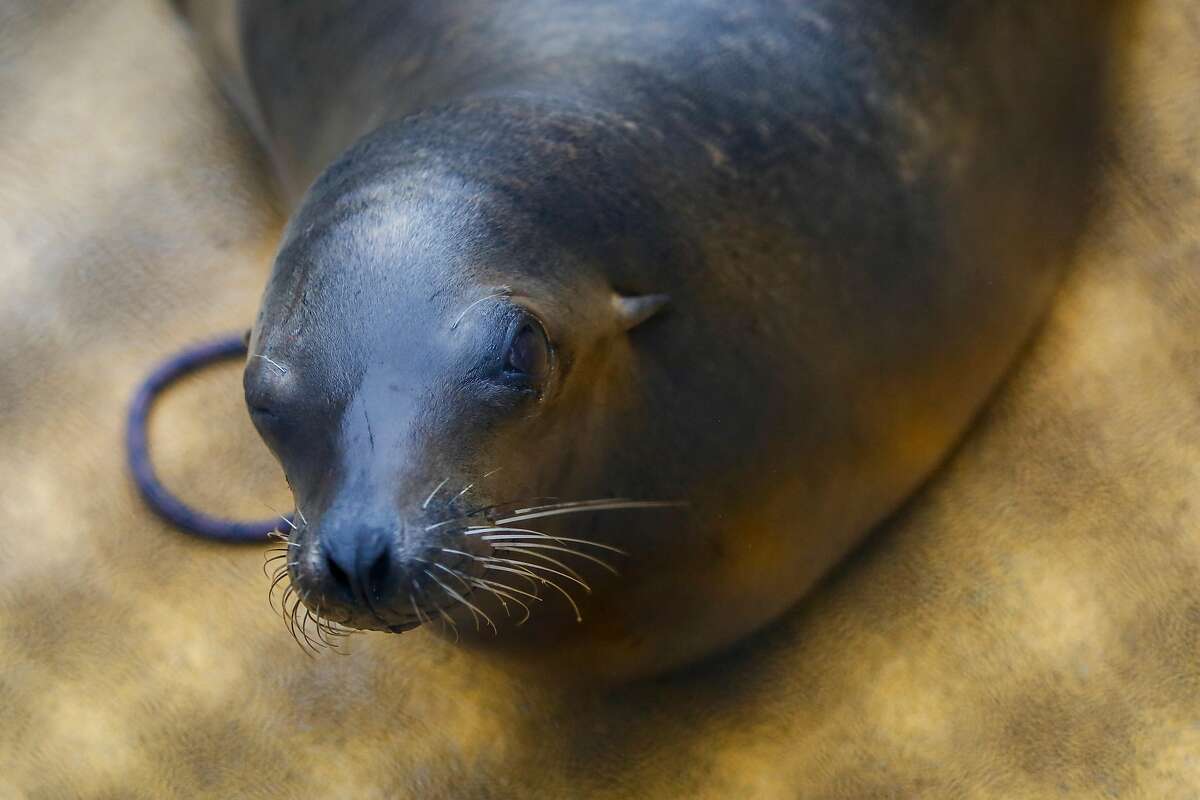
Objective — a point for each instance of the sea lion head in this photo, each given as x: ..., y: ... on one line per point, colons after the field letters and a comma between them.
x: 467, y: 405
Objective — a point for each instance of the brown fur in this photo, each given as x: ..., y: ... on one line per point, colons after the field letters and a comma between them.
x: 1029, y: 626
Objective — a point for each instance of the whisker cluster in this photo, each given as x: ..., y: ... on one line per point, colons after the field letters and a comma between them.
x: 514, y: 553
x: 522, y: 551
x: 296, y: 614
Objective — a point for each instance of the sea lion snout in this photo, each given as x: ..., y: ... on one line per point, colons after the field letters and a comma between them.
x: 357, y: 565
x: 350, y: 565
x: 371, y: 566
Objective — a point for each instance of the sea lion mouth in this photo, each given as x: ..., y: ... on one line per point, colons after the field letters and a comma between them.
x: 490, y: 557
x: 405, y: 627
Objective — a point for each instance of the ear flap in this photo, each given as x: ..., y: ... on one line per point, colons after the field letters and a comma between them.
x: 633, y: 311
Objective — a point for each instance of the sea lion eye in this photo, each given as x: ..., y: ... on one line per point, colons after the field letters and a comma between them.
x: 529, y: 353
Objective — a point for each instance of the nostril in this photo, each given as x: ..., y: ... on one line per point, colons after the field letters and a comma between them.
x: 378, y: 573
x: 340, y: 579
x: 359, y: 566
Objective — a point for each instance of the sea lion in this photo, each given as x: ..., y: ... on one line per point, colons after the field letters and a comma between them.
x: 690, y: 292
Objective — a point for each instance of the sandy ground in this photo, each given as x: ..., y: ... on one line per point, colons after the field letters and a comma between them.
x: 1029, y: 626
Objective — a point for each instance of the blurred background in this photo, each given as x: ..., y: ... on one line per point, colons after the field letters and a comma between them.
x: 1028, y: 626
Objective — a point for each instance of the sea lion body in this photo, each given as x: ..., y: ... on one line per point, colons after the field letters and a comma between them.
x: 858, y: 212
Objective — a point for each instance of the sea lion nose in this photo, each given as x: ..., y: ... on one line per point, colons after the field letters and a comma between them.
x: 359, y: 565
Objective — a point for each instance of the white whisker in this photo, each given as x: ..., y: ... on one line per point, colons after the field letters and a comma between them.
x: 540, y: 546
x: 447, y: 618
x: 433, y: 494
x: 282, y: 369
x: 521, y: 536
x: 474, y: 609
x: 504, y: 292
x: 524, y: 514
x: 566, y: 594
x: 503, y: 590
x: 544, y: 557
x: 529, y: 576
x: 455, y: 573
x: 527, y: 565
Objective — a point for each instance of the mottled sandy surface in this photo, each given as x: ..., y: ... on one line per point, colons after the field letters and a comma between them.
x: 1028, y: 627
